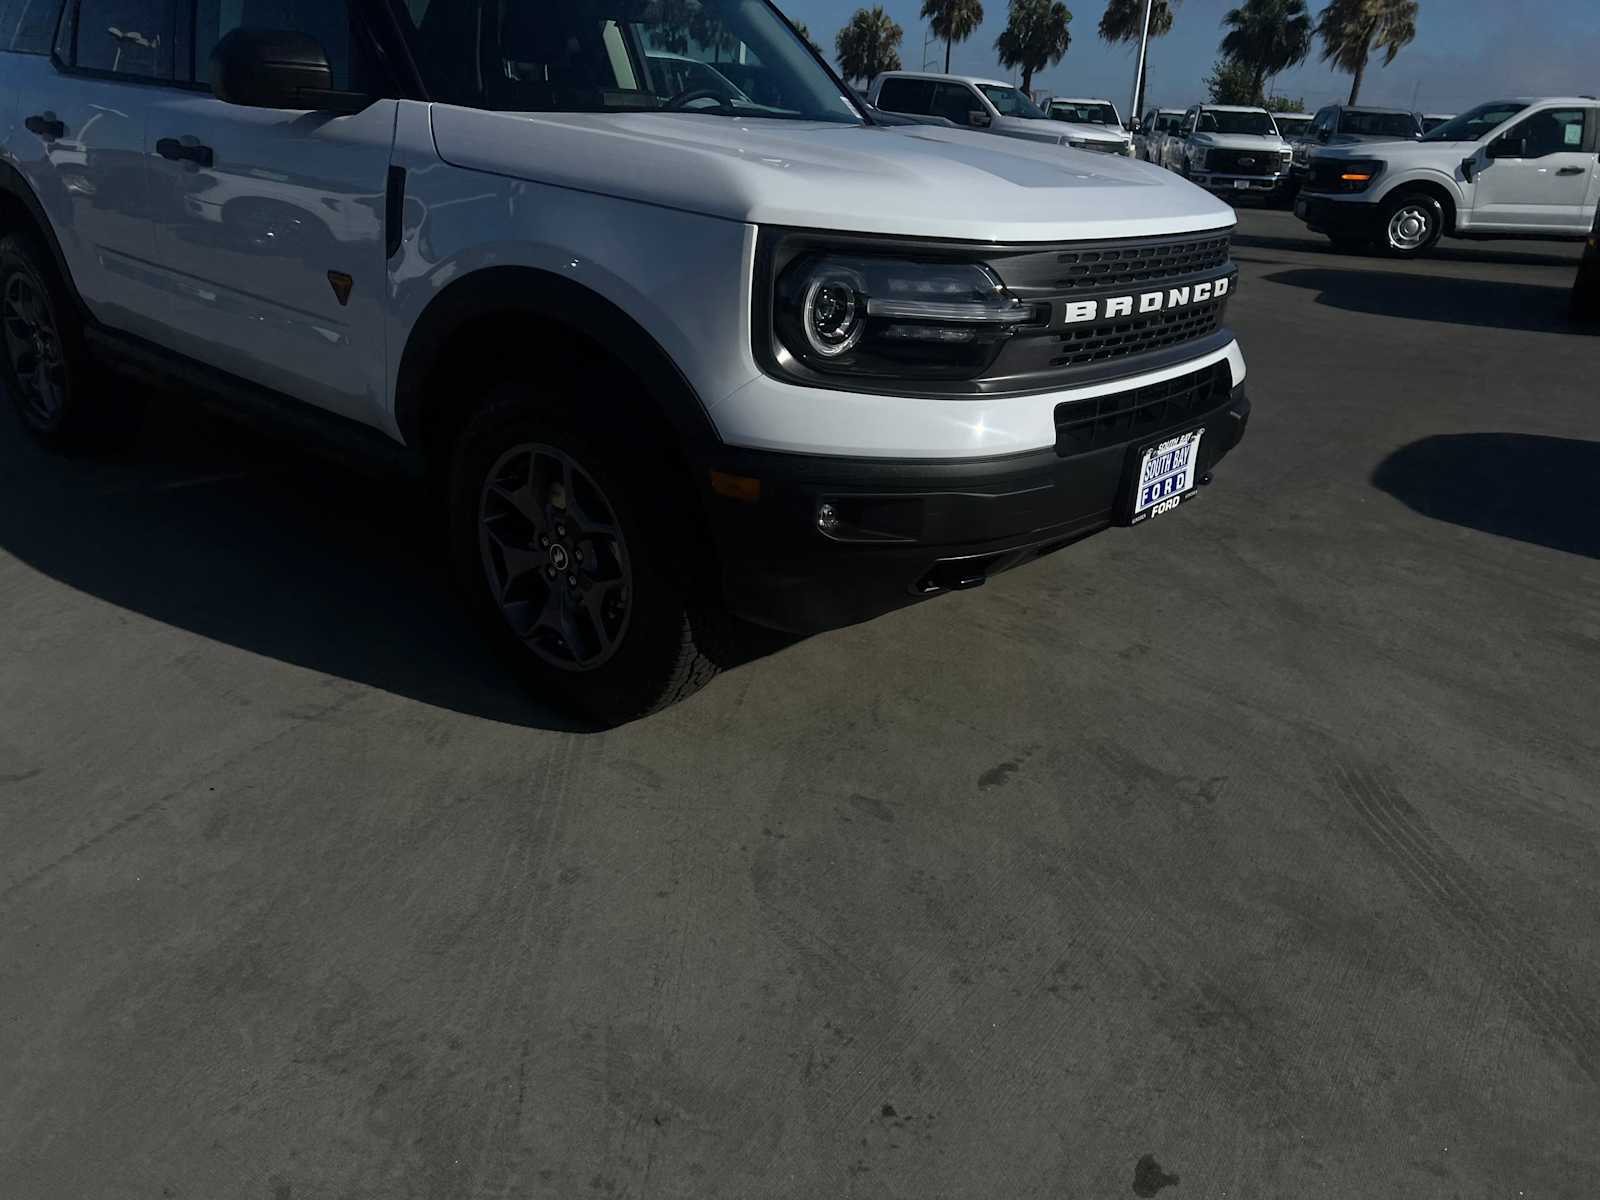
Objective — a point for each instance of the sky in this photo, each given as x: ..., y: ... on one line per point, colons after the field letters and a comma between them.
x: 1466, y: 52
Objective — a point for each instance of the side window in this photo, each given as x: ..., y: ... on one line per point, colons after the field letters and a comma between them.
x: 1189, y: 119
x: 28, y: 26
x: 123, y: 37
x: 906, y: 96
x: 328, y: 21
x: 954, y: 102
x: 1553, y: 131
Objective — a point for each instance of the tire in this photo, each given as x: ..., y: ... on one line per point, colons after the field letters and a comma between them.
x: 45, y: 369
x: 562, y: 545
x: 1411, y: 223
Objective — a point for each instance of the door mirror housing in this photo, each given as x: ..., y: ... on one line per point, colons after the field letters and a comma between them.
x: 979, y: 119
x: 1469, y: 167
x: 1509, y: 147
x: 272, y: 68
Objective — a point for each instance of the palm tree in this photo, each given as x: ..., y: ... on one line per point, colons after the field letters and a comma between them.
x: 1352, y: 29
x: 1034, y: 38
x: 868, y: 45
x: 1123, y: 21
x: 953, y: 20
x: 1267, y: 36
x: 800, y: 28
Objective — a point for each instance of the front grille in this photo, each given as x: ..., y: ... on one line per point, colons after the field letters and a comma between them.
x: 1147, y: 412
x: 1243, y: 162
x: 1126, y: 336
x: 1114, y: 266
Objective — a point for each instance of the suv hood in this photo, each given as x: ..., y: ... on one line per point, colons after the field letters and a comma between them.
x: 911, y: 180
x: 1408, y: 149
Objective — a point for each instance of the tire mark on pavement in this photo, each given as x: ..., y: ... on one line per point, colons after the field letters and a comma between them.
x: 1438, y: 877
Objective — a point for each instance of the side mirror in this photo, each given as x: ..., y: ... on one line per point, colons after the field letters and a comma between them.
x: 979, y: 119
x: 1469, y: 167
x: 1323, y: 135
x: 259, y: 68
x: 1509, y: 147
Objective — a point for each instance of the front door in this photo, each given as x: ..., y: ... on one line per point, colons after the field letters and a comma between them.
x: 79, y: 142
x: 269, y: 225
x: 1538, y: 174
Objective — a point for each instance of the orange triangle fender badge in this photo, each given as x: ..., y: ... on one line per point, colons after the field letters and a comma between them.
x: 342, y: 284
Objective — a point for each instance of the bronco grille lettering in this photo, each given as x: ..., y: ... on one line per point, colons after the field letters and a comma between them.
x: 1079, y: 312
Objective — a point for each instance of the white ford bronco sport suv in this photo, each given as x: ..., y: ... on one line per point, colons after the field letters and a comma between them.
x: 667, y: 355
x: 1510, y: 168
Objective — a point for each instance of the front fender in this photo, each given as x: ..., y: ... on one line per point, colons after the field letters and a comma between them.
x: 1455, y: 186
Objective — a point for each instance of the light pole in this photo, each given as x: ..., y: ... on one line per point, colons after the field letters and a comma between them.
x: 1144, y: 46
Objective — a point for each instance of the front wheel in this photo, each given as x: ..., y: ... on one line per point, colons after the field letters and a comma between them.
x: 1412, y: 223
x: 561, y: 544
x: 44, y: 366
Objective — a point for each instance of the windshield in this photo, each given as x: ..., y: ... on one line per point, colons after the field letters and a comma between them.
x: 1221, y: 121
x: 1010, y: 102
x: 727, y: 58
x: 1373, y: 124
x: 1084, y: 112
x: 1473, y: 124
x: 1293, y: 126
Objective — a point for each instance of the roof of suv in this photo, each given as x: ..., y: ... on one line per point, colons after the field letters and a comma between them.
x: 972, y: 79
x: 1080, y: 100
x: 1231, y: 108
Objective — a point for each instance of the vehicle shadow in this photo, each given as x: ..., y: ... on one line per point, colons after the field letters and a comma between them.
x: 1315, y: 243
x: 216, y: 530
x: 1489, y: 303
x: 1534, y: 489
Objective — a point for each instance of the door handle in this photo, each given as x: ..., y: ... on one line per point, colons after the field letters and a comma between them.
x: 172, y: 148
x: 1570, y: 171
x: 46, y: 125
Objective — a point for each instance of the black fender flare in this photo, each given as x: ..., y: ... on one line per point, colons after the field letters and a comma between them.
x: 14, y: 185
x: 545, y: 298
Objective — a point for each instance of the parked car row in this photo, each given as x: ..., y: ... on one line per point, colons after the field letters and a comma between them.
x: 999, y: 107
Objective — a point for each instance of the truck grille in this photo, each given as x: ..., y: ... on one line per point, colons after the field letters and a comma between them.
x: 1117, y: 266
x: 1054, y: 353
x: 1243, y: 162
x: 1113, y: 420
x: 1136, y: 335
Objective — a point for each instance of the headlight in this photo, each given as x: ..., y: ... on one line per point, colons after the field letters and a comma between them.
x: 837, y: 313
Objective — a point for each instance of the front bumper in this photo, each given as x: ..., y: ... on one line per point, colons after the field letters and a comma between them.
x: 1324, y: 214
x: 910, y: 530
x: 1234, y: 185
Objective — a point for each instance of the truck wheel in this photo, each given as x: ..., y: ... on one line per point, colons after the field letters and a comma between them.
x: 559, y: 543
x: 1412, y: 222
x: 44, y: 365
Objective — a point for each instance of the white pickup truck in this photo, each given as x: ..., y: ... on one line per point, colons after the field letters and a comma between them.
x: 1509, y: 168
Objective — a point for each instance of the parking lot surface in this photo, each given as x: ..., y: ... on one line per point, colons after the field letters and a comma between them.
x: 1249, y: 853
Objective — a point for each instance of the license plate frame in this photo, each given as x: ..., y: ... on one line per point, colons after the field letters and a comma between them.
x: 1152, y: 493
